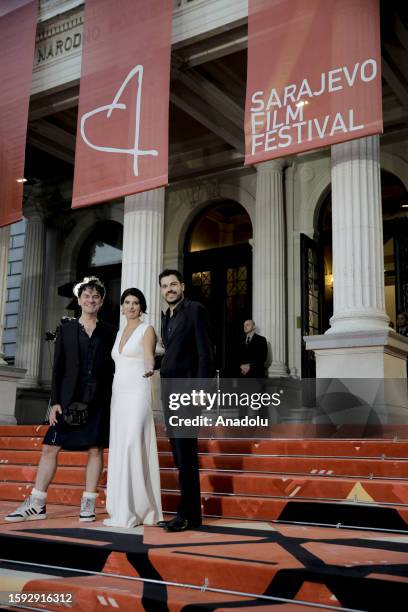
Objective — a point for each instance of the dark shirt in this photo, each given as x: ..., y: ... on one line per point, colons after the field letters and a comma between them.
x: 168, y: 322
x: 88, y: 347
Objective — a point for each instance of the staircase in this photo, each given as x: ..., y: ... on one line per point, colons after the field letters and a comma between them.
x: 286, y: 518
x: 321, y: 481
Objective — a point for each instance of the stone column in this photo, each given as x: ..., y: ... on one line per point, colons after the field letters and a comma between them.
x: 269, y: 263
x: 29, y: 327
x: 358, y: 255
x: 4, y: 251
x: 51, y: 314
x: 143, y: 248
x: 359, y: 343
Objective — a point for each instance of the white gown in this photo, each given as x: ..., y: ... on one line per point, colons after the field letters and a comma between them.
x: 133, y: 488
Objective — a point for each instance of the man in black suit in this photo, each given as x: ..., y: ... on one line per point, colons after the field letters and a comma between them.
x: 82, y: 374
x: 253, y: 352
x: 188, y: 355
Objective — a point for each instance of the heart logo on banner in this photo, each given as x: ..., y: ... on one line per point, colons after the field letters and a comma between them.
x: 137, y: 72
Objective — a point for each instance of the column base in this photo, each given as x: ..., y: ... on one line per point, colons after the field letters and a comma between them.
x: 361, y: 378
x: 29, y: 382
x: 360, y: 354
x: 278, y: 370
x: 358, y: 320
x: 32, y: 406
x: 9, y: 377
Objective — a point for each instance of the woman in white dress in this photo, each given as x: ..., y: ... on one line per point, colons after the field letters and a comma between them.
x: 133, y: 489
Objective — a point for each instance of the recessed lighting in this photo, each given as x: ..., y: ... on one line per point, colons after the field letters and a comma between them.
x: 21, y: 180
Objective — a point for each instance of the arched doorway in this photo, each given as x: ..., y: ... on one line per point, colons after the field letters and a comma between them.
x: 218, y: 272
x: 317, y: 277
x: 101, y: 256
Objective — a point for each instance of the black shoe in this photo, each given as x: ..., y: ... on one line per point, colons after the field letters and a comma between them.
x: 180, y: 524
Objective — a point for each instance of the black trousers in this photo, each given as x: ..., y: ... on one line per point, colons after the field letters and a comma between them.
x: 185, y: 453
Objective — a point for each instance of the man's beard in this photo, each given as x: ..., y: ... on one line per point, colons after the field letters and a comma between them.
x: 176, y: 301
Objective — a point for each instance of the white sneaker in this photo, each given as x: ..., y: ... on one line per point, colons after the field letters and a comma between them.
x: 32, y: 509
x: 87, y: 513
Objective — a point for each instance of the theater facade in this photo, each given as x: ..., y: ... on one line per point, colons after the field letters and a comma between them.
x: 313, y: 246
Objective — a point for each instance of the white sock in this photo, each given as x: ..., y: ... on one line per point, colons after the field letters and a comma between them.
x: 41, y: 495
x: 89, y: 495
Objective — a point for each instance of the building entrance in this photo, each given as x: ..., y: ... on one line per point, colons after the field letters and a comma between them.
x: 218, y: 272
x: 101, y: 256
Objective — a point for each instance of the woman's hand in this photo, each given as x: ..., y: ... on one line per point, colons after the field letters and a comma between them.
x: 149, y: 344
x: 57, y: 408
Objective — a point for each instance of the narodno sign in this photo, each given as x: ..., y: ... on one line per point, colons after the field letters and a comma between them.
x: 314, y: 75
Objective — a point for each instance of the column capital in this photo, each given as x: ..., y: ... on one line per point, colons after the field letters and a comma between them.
x: 34, y: 213
x: 145, y: 200
x: 360, y: 149
x: 271, y: 166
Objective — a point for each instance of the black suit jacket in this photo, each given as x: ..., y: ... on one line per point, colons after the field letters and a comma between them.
x: 188, y: 348
x: 254, y: 353
x: 67, y: 363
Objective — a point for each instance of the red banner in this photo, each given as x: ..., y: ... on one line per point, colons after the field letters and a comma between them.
x: 122, y: 133
x: 18, y: 23
x: 314, y: 75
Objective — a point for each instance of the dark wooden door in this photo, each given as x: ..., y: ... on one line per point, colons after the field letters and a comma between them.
x: 222, y: 280
x: 312, y: 280
x: 401, y: 265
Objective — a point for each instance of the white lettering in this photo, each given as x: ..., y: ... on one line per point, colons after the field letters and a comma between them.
x: 334, y: 79
x: 352, y: 127
x: 304, y: 90
x: 287, y: 137
x: 274, y: 99
x: 338, y: 124
x: 269, y: 139
x: 289, y: 93
x: 321, y: 131
x: 322, y: 85
x: 367, y: 77
x: 257, y: 123
x: 259, y: 102
x: 257, y: 141
x: 293, y: 115
x: 135, y: 152
x: 350, y: 79
x: 299, y: 130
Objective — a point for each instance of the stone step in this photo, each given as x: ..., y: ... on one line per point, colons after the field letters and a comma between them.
x: 240, y: 483
x: 273, y: 447
x: 324, y: 466
x: 259, y: 507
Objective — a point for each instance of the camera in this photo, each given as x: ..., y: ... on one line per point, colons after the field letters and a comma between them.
x: 50, y: 336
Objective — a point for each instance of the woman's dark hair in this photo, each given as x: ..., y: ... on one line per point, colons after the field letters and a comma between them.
x: 136, y: 293
x: 90, y: 282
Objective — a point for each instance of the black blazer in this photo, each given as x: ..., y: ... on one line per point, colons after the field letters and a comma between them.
x: 188, y: 349
x: 254, y: 353
x: 66, y: 364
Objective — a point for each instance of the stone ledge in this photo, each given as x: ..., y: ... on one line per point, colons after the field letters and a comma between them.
x: 387, y: 337
x: 11, y: 373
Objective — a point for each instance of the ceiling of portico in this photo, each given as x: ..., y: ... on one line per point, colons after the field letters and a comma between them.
x: 207, y: 98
